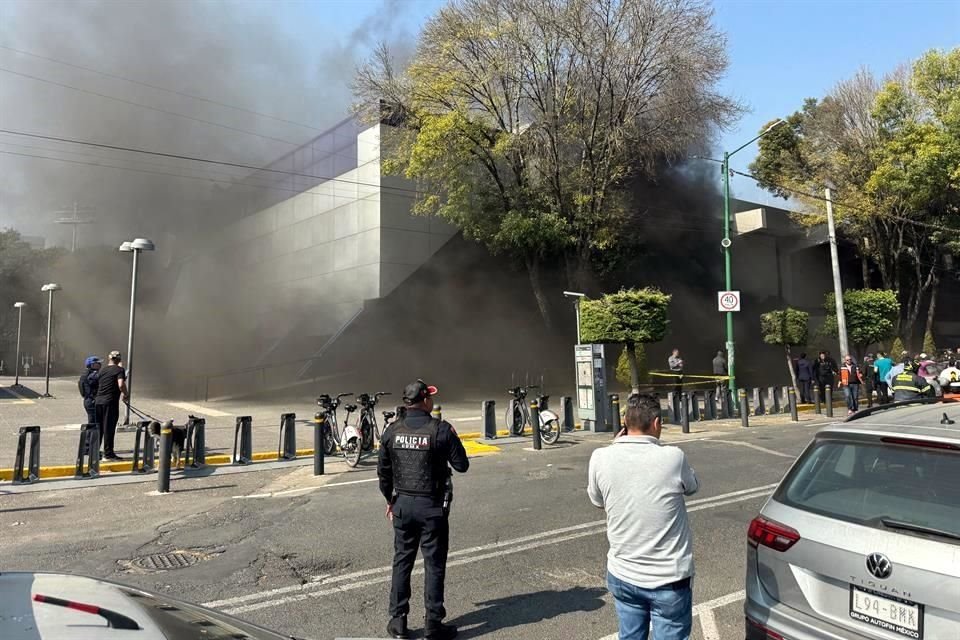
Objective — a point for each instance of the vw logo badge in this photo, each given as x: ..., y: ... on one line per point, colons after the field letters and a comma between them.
x: 879, y: 566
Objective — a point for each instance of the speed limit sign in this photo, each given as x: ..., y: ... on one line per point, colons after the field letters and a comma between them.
x: 728, y: 300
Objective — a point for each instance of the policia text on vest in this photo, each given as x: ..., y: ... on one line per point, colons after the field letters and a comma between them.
x: 416, y: 454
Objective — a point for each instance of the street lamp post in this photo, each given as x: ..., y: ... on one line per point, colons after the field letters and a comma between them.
x: 16, y: 365
x: 134, y: 247
x: 49, y: 288
x: 576, y: 305
x: 726, y: 242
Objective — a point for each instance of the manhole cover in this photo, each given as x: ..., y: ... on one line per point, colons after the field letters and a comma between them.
x: 167, y: 561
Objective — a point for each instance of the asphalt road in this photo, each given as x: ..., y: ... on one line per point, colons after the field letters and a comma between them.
x: 311, y: 556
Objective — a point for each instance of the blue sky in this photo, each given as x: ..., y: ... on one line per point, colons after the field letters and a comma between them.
x: 780, y: 51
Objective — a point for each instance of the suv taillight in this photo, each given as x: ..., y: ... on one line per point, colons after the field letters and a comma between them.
x: 769, y: 533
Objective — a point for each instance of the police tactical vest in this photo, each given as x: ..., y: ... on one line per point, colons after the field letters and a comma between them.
x: 416, y: 460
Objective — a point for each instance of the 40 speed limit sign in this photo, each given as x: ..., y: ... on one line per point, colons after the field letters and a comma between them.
x: 728, y: 300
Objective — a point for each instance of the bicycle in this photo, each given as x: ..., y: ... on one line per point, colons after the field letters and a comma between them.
x: 369, y: 429
x: 518, y: 415
x: 331, y: 434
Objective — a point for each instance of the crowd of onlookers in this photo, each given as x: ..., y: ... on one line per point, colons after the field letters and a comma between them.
x: 874, y: 377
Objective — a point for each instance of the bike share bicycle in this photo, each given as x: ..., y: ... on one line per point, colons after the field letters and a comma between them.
x: 518, y: 415
x: 353, y: 441
x: 369, y: 429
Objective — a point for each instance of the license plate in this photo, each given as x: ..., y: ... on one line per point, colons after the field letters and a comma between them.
x: 892, y: 614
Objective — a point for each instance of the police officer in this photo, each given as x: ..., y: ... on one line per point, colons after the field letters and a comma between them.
x: 88, y: 384
x: 908, y: 385
x: 415, y: 480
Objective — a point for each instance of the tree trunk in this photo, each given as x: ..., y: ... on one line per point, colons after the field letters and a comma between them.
x: 634, y: 368
x: 533, y: 269
x: 865, y: 267
x: 932, y: 310
x: 793, y: 374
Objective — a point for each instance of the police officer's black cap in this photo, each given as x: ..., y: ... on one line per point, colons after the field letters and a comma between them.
x: 418, y: 391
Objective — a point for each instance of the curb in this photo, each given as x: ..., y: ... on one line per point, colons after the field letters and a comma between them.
x: 67, y: 471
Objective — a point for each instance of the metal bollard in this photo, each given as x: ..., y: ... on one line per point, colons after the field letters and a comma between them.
x: 828, y: 390
x: 566, y: 405
x: 615, y: 412
x: 243, y: 441
x: 535, y: 425
x: 287, y: 447
x: 792, y: 401
x: 726, y: 403
x: 196, y: 454
x: 33, y: 460
x: 773, y: 401
x: 144, y: 456
x: 784, y: 399
x: 89, y: 447
x: 319, y: 423
x: 163, y: 466
x: 694, y: 404
x: 488, y: 411
x: 744, y: 408
x: 673, y: 407
x: 818, y: 405
x: 710, y: 405
x: 437, y: 412
x: 758, y: 408
x: 684, y: 412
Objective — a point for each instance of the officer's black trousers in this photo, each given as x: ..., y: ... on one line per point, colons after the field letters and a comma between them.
x: 419, y: 522
x: 91, y: 410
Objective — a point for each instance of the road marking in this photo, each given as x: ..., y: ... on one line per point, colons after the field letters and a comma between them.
x: 196, y: 408
x: 63, y: 427
x: 464, y: 419
x: 750, y: 445
x: 355, y: 580
x: 708, y: 623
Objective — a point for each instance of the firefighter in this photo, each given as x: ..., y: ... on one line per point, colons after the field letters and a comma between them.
x: 908, y: 385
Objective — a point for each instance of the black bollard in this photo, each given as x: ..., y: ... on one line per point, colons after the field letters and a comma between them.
x: 710, y: 405
x: 319, y: 422
x: 32, y: 460
x: 535, y: 425
x: 829, y: 400
x: 488, y: 412
x: 744, y: 408
x: 694, y: 404
x: 615, y: 412
x: 817, y: 404
x: 166, y: 443
x: 437, y: 412
x: 673, y: 400
x: 287, y: 447
x: 792, y: 401
x: 243, y: 441
x: 726, y: 403
x: 758, y: 407
x: 196, y: 454
x: 773, y: 401
x: 566, y: 405
x: 684, y: 412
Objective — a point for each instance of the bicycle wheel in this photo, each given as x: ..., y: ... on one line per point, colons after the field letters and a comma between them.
x: 514, y: 419
x: 352, y: 451
x: 366, y: 433
x: 550, y: 431
x: 329, y: 444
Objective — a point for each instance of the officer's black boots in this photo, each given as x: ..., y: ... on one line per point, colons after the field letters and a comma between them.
x: 397, y: 628
x: 439, y: 631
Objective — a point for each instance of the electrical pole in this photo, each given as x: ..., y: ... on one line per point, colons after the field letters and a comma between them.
x: 837, y: 284
x: 75, y: 221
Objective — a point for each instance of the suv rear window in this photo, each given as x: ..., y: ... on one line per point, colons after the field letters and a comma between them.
x: 870, y: 482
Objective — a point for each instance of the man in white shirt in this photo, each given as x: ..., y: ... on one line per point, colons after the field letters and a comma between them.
x: 641, y: 484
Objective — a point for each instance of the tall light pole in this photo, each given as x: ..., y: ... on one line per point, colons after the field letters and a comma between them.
x: 19, y: 307
x: 837, y: 284
x: 49, y: 288
x: 576, y: 305
x: 134, y: 247
x: 726, y: 242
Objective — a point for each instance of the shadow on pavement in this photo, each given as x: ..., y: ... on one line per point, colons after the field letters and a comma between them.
x: 528, y: 608
x: 41, y: 508
x: 210, y: 488
x: 22, y: 391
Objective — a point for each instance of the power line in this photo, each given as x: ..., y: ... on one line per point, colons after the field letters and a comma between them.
x: 159, y: 88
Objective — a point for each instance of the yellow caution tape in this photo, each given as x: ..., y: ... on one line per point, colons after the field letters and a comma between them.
x: 687, y: 375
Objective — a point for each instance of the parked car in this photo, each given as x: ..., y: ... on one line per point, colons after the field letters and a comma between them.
x: 53, y: 606
x: 861, y: 539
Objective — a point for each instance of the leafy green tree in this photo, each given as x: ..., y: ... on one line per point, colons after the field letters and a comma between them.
x: 897, y: 349
x: 629, y: 317
x: 929, y: 345
x: 871, y: 316
x: 623, y: 367
x: 522, y: 120
x: 787, y: 328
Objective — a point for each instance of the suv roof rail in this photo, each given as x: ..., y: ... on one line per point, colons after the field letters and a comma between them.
x: 863, y: 413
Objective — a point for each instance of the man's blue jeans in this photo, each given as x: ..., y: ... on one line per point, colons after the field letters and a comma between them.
x: 669, y: 607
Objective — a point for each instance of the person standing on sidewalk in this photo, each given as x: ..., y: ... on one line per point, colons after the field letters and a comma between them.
x: 824, y: 371
x: 650, y: 561
x: 88, y: 385
x: 868, y: 373
x: 111, y: 386
x: 415, y: 479
x: 850, y: 383
x: 805, y: 378
x: 675, y: 363
x: 883, y: 364
x: 720, y: 370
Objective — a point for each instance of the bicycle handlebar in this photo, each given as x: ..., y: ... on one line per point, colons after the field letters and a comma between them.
x: 343, y: 395
x: 382, y: 393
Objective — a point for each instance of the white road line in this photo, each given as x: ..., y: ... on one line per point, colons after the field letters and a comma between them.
x: 464, y: 419
x: 196, y: 408
x: 289, y: 492
x: 708, y: 625
x: 750, y: 445
x: 730, y: 598
x: 314, y: 588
